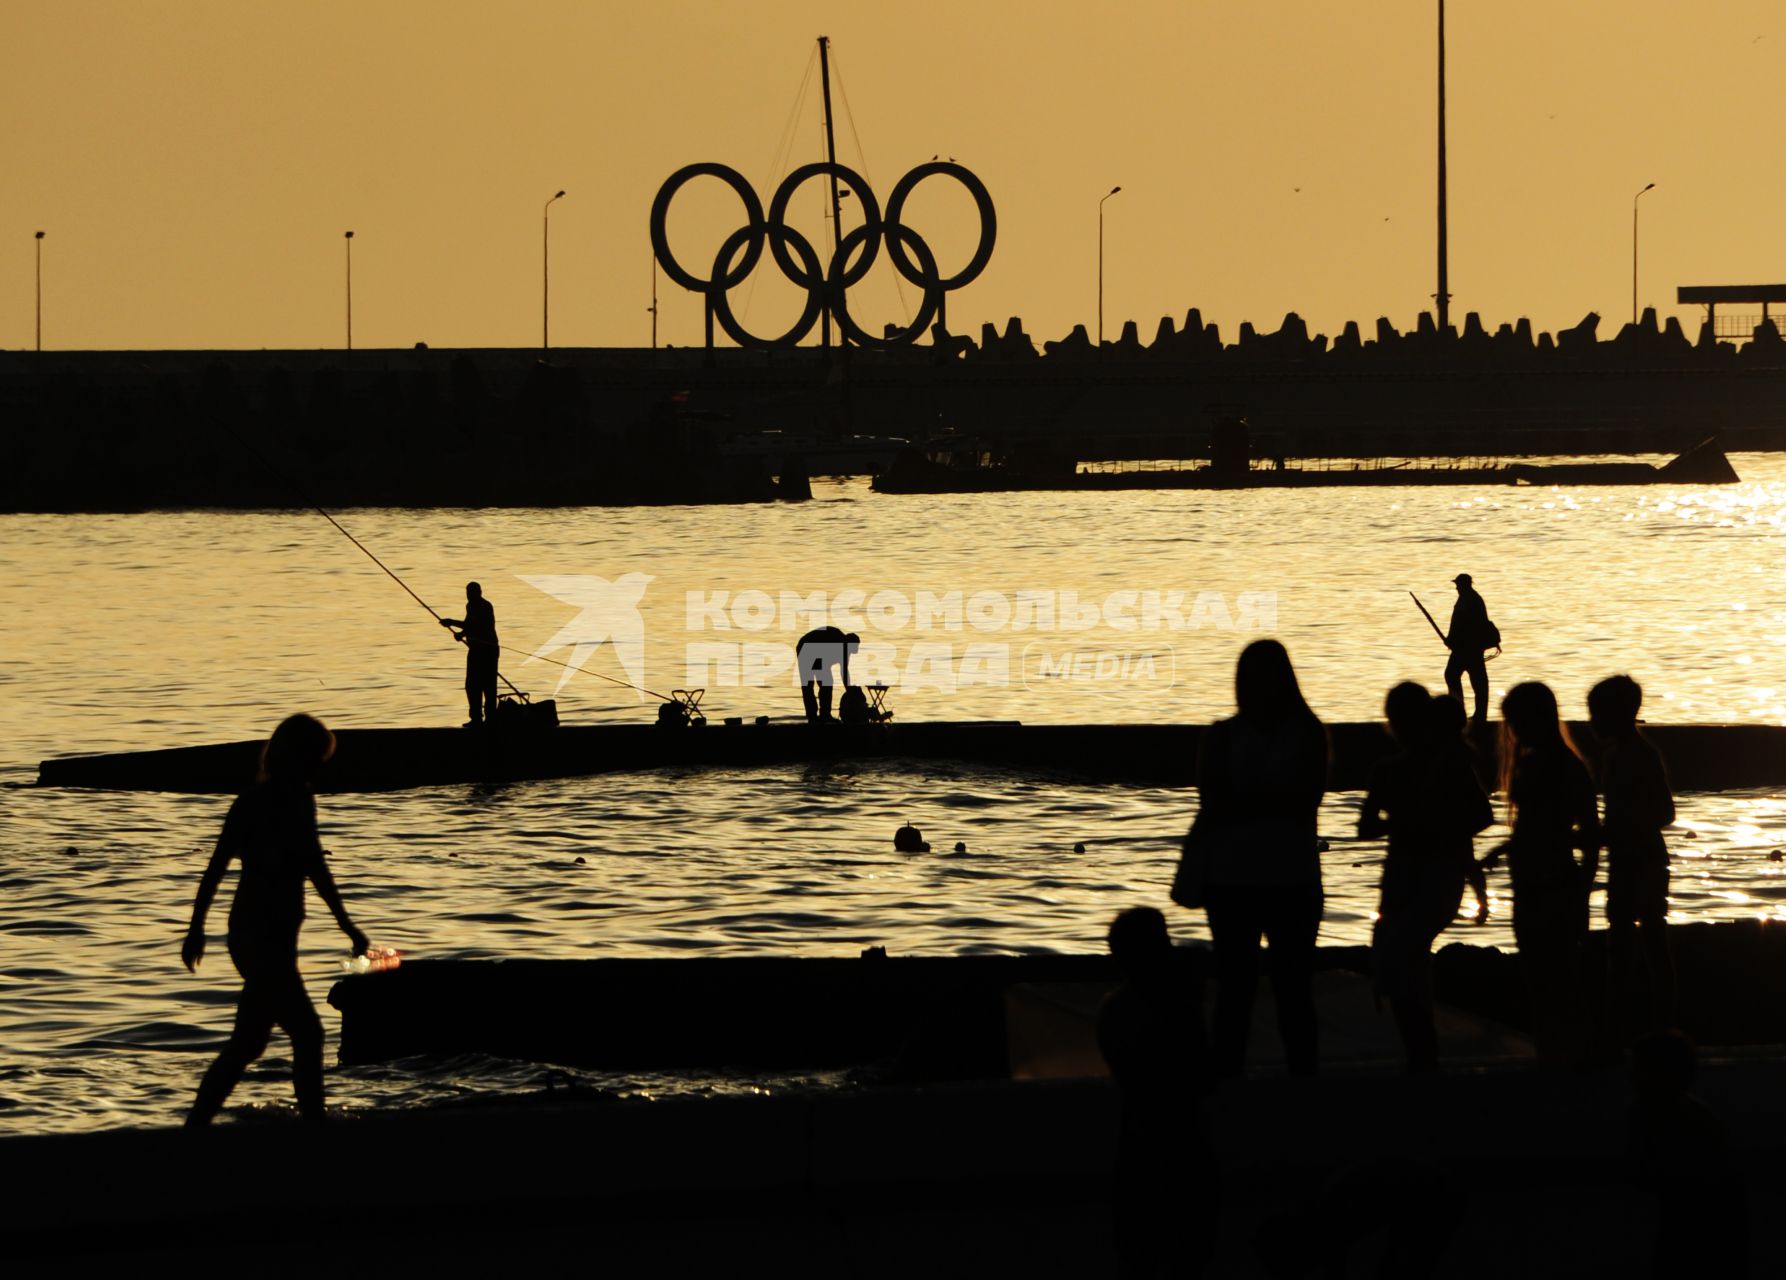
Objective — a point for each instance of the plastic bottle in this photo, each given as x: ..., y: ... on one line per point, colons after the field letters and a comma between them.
x: 375, y: 960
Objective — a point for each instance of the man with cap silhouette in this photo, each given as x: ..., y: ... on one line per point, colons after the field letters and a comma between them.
x: 1469, y: 639
x: 477, y: 632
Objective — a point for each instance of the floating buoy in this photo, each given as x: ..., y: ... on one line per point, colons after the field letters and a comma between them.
x: 908, y: 839
x: 1079, y: 846
x: 579, y: 859
x: 960, y: 847
x: 1778, y: 855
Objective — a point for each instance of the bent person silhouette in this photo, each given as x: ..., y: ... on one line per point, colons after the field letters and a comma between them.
x: 1470, y: 637
x: 1260, y: 777
x: 271, y: 829
x: 477, y: 632
x: 817, y: 653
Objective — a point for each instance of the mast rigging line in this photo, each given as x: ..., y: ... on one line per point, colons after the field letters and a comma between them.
x: 862, y: 155
x: 778, y: 163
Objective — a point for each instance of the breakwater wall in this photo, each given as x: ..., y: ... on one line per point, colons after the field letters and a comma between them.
x: 116, y: 430
x: 926, y: 1018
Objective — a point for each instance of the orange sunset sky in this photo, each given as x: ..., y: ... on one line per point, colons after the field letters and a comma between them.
x: 195, y: 164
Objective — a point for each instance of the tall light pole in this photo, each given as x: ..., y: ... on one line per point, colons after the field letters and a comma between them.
x: 1443, y: 297
x: 40, y: 291
x: 546, y: 271
x: 1634, y: 253
x: 349, y: 239
x: 1113, y: 191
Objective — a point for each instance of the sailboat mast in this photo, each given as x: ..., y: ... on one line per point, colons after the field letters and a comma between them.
x: 831, y: 156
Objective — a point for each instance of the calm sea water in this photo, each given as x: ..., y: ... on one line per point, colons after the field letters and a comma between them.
x: 161, y: 629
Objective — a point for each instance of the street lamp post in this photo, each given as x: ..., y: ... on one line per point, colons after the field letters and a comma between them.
x: 546, y: 271
x: 1634, y: 253
x: 40, y: 291
x: 1113, y: 191
x: 349, y: 241
x: 653, y: 307
x: 1442, y: 298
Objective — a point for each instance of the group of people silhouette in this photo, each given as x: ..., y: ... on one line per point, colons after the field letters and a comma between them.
x: 1252, y: 860
x: 1252, y: 863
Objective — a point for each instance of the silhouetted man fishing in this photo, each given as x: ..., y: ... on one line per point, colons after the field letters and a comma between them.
x: 477, y: 632
x: 818, y: 651
x: 1470, y: 637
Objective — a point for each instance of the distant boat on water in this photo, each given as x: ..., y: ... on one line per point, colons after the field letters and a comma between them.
x: 821, y: 454
x: 960, y: 465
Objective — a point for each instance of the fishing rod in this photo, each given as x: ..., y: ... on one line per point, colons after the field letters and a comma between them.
x: 1429, y: 618
x: 503, y: 648
x: 458, y: 635
x: 540, y: 657
x: 304, y: 496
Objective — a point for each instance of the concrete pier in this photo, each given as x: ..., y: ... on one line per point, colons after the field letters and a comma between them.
x: 128, y: 430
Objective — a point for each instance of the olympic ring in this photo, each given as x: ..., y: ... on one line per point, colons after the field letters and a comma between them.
x: 871, y: 217
x: 720, y: 298
x: 826, y: 285
x: 753, y: 217
x: 988, y: 222
x: 933, y: 297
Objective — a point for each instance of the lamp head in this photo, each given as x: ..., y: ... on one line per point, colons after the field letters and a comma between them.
x: 560, y: 195
x: 349, y: 236
x: 1114, y: 190
x: 40, y: 235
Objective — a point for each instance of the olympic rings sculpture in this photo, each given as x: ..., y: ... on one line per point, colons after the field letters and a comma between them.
x: 826, y: 284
